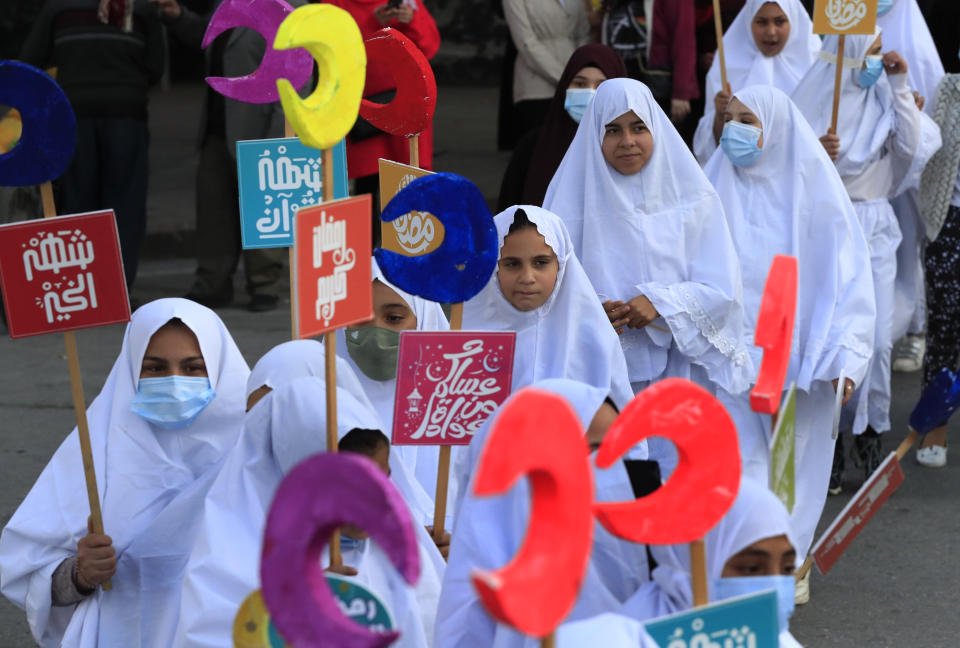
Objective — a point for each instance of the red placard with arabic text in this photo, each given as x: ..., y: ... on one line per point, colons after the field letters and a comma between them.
x: 332, y: 270
x: 62, y: 274
x: 449, y: 383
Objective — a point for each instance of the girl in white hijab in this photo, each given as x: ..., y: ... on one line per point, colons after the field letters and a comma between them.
x: 567, y: 335
x: 787, y: 198
x: 768, y: 43
x: 370, y: 350
x: 650, y: 233
x: 283, y: 428
x: 490, y: 530
x: 749, y: 551
x: 882, y: 144
x: 159, y: 430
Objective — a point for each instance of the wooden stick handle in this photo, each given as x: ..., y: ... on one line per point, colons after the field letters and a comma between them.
x: 46, y: 198
x: 326, y: 163
x: 291, y: 262
x: 415, y: 150
x: 836, y: 86
x: 83, y: 433
x: 718, y: 25
x: 550, y: 641
x: 456, y: 317
x: 330, y: 374
x: 440, y: 501
x: 698, y: 572
x: 906, y: 444
x: 804, y: 568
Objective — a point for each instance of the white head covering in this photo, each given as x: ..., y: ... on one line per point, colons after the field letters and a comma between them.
x: 285, y: 427
x: 608, y: 630
x: 420, y: 461
x: 792, y: 201
x: 747, y: 65
x: 489, y: 531
x: 866, y: 115
x: 569, y: 336
x: 905, y: 31
x: 659, y: 233
x: 151, y: 484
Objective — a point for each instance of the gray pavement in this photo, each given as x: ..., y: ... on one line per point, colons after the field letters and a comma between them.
x: 894, y: 587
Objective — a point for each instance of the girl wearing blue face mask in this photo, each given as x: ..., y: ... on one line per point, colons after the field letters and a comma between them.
x: 882, y: 143
x: 170, y: 409
x: 538, y: 154
x: 782, y: 195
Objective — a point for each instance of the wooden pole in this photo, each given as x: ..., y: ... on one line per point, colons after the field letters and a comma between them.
x: 79, y: 404
x: 550, y: 641
x: 718, y: 25
x: 698, y: 572
x: 836, y: 86
x: 415, y: 150
x: 804, y: 568
x: 906, y: 444
x: 443, y: 465
x: 288, y: 132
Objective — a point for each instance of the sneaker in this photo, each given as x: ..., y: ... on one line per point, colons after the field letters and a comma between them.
x: 932, y: 456
x: 908, y: 356
x: 836, y: 473
x: 222, y: 296
x: 866, y: 451
x: 801, y: 592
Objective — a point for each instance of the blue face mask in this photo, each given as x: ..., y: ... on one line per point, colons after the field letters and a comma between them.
x: 871, y: 74
x: 576, y: 102
x: 172, y: 402
x: 724, y: 588
x: 739, y: 142
x: 883, y: 6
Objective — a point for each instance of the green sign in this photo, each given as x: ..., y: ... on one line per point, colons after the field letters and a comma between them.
x: 359, y: 604
x: 783, y: 450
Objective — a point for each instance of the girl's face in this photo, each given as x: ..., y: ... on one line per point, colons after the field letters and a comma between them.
x: 173, y: 351
x: 389, y: 310
x: 627, y: 143
x: 771, y: 29
x: 587, y: 77
x: 737, y: 111
x: 768, y: 557
x: 527, y: 269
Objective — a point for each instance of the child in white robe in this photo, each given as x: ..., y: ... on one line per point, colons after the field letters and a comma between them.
x: 782, y: 195
x: 882, y: 144
x: 168, y: 413
x: 650, y: 233
x: 768, y: 43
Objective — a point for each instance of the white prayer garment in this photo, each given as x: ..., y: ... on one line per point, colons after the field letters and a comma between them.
x: 748, y: 66
x: 756, y: 515
x: 660, y: 233
x: 885, y: 142
x: 421, y: 461
x: 490, y: 530
x: 905, y: 31
x: 570, y: 335
x: 608, y: 630
x: 792, y: 201
x: 285, y: 427
x: 151, y: 485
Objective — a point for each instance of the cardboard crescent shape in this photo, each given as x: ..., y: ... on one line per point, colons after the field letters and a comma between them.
x: 49, y: 131
x: 264, y: 17
x: 252, y: 627
x: 411, y: 110
x: 775, y: 333
x: 539, y: 587
x: 704, y: 484
x: 318, y: 495
x: 939, y: 400
x: 467, y: 257
x: 334, y: 41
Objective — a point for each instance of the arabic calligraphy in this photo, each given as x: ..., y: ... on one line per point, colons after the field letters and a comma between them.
x: 331, y: 236
x: 415, y: 231
x: 742, y: 637
x: 286, y: 183
x: 845, y: 14
x: 52, y: 253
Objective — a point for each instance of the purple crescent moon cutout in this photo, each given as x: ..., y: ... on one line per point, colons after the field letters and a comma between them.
x: 321, y: 493
x: 264, y: 17
x: 49, y: 126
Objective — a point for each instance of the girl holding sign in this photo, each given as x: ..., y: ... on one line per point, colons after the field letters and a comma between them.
x: 649, y: 230
x: 168, y: 413
x: 768, y: 43
x: 782, y: 195
x: 881, y: 146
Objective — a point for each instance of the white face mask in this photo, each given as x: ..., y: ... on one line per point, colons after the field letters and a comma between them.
x: 576, y: 102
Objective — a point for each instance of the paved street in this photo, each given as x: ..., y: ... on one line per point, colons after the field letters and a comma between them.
x: 895, y: 587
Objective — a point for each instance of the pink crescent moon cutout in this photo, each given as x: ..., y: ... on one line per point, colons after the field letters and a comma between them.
x: 321, y: 493
x: 411, y: 110
x: 264, y: 17
x: 774, y: 333
x: 539, y: 587
x: 705, y: 483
